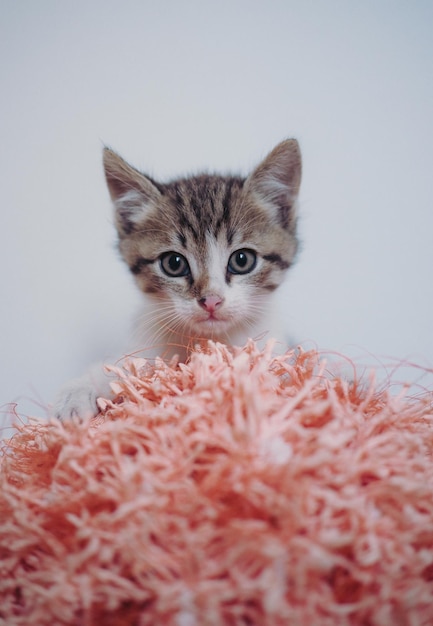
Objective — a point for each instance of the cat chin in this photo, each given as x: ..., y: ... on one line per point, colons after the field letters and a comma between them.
x: 211, y: 328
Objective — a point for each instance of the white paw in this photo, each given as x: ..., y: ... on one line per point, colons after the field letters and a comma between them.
x: 78, y: 398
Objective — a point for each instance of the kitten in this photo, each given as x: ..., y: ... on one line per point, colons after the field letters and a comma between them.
x: 207, y: 252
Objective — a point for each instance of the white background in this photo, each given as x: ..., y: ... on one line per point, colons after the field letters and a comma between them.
x: 179, y: 86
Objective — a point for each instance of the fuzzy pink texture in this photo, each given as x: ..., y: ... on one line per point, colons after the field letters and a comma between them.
x: 236, y: 489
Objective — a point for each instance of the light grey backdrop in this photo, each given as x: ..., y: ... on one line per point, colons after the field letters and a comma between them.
x: 179, y: 86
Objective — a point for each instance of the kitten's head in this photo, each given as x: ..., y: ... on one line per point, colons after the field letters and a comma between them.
x: 208, y: 249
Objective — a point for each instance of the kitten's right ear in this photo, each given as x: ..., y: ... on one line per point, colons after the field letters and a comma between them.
x: 132, y: 193
x: 275, y: 182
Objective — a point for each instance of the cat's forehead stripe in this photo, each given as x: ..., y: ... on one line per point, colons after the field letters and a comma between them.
x: 182, y: 239
x: 186, y: 226
x: 225, y: 216
x: 204, y: 204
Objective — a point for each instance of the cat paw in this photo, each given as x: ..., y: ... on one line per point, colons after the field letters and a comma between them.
x: 75, y: 401
x: 78, y: 398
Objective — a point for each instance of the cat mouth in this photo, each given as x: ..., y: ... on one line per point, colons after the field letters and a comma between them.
x: 213, y: 322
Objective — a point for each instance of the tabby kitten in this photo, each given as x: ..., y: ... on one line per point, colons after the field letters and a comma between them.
x: 207, y: 252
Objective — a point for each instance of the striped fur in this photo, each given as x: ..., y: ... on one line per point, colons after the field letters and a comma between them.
x: 206, y: 220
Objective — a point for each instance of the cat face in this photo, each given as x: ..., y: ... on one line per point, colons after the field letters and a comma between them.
x: 208, y: 250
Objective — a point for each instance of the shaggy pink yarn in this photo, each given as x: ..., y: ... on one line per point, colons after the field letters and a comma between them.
x: 236, y: 489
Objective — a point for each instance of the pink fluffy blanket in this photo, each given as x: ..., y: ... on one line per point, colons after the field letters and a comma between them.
x: 236, y: 489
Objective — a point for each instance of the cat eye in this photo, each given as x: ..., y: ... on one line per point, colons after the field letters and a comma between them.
x: 174, y: 264
x: 242, y: 261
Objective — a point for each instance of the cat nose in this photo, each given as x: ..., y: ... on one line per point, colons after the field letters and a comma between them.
x: 210, y: 303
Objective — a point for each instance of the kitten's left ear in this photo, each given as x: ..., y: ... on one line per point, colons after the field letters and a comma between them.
x: 275, y: 182
x: 132, y: 193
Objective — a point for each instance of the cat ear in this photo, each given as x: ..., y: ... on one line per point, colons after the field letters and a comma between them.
x: 132, y: 193
x: 275, y: 182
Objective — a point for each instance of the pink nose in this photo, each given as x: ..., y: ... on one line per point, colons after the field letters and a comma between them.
x: 210, y: 303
